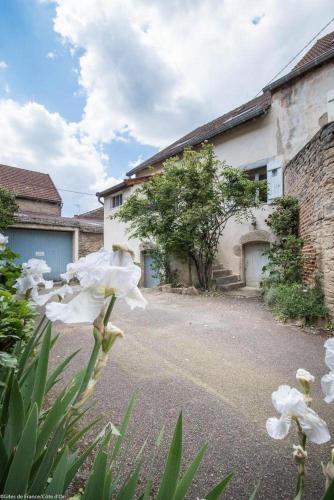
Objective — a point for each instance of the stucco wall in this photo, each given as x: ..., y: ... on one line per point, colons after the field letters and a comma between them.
x: 301, y: 108
x: 309, y: 176
x: 114, y: 230
x: 35, y: 206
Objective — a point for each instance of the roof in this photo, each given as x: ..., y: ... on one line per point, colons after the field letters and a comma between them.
x: 28, y: 184
x: 323, y: 45
x: 320, y: 52
x: 248, y: 111
x: 122, y: 185
x: 93, y: 226
x: 97, y: 214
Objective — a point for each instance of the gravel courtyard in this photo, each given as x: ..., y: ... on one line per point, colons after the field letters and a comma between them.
x: 217, y: 359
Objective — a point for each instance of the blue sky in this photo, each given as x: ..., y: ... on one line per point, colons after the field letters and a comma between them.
x: 89, y: 88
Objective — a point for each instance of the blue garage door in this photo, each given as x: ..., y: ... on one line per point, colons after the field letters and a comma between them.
x: 55, y: 247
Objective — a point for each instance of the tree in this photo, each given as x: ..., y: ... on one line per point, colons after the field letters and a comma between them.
x: 185, y: 209
x: 8, y: 207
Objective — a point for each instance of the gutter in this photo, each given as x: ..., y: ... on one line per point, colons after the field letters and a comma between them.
x: 252, y: 114
x: 295, y: 73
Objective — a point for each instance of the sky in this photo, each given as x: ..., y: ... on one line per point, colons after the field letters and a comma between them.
x: 90, y: 88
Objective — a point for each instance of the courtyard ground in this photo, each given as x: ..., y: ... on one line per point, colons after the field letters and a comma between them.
x: 217, y: 359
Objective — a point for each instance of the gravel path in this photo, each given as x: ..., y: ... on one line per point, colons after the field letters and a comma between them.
x: 217, y: 359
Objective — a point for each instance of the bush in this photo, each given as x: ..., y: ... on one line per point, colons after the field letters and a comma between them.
x: 17, y: 320
x: 297, y: 301
x: 285, y: 257
x: 9, y: 270
x: 17, y: 315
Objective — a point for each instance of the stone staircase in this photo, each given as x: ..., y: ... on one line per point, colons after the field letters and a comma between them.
x: 225, y: 280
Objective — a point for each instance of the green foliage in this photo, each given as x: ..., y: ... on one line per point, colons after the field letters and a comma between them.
x: 16, y: 315
x: 185, y: 209
x: 9, y: 270
x: 297, y: 301
x: 285, y: 262
x: 162, y: 268
x: 8, y: 207
x: 41, y: 447
x: 285, y: 257
x: 284, y: 220
x: 38, y: 449
x: 284, y: 290
x: 171, y: 486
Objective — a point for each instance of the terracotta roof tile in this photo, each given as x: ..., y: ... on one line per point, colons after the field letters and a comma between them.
x: 97, y: 214
x: 241, y: 114
x: 28, y: 184
x: 321, y: 46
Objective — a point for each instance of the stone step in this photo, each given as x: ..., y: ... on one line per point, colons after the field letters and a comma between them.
x: 217, y: 267
x: 231, y: 286
x: 225, y: 280
x: 216, y: 273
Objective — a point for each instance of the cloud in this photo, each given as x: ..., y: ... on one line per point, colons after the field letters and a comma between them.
x: 155, y: 70
x: 134, y: 163
x: 51, y: 55
x: 33, y: 138
x: 3, y: 65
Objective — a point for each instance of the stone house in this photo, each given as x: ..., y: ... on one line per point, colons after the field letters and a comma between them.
x: 39, y: 229
x: 261, y: 137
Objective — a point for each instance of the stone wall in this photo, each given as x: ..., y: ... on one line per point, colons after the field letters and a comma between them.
x: 39, y: 207
x: 309, y: 176
x: 89, y: 242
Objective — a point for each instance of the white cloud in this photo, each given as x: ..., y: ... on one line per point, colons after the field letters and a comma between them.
x: 3, y: 65
x: 33, y: 138
x: 134, y: 163
x: 51, y: 55
x: 156, y: 70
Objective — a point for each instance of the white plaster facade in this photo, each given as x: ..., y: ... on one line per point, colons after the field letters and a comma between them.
x: 115, y: 231
x: 298, y: 109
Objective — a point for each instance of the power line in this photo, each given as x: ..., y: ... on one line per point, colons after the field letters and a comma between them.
x: 298, y: 54
x: 76, y: 192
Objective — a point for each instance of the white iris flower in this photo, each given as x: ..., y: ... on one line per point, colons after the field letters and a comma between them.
x: 290, y: 403
x: 3, y: 241
x: 327, y: 381
x: 32, y: 277
x: 100, y: 275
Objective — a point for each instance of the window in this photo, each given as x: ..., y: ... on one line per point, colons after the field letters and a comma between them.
x: 116, y: 201
x: 259, y: 174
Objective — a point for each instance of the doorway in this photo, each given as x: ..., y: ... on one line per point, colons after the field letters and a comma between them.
x: 254, y: 262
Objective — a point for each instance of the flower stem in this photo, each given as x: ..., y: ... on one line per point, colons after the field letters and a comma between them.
x: 109, y: 310
x: 301, y: 467
x: 95, y: 364
x: 90, y: 366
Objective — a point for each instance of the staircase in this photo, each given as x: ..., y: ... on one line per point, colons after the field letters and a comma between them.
x: 225, y: 280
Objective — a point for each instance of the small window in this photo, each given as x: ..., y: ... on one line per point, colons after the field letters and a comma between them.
x: 117, y: 201
x: 259, y: 174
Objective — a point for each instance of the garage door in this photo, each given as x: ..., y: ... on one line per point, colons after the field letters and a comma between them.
x: 254, y: 262
x: 55, y: 247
